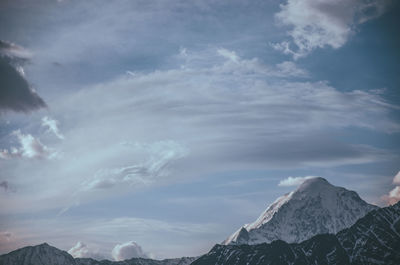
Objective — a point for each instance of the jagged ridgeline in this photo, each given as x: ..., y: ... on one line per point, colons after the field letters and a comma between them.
x: 317, y: 223
x: 373, y: 239
x: 45, y: 254
x: 315, y: 207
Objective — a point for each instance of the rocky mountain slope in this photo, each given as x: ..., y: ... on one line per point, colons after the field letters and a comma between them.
x: 315, y: 207
x: 45, y: 254
x: 137, y: 261
x: 373, y: 239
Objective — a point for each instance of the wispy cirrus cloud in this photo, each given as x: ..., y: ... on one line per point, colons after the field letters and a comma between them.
x: 233, y: 103
x: 228, y: 115
x: 153, y: 165
x: 159, y: 156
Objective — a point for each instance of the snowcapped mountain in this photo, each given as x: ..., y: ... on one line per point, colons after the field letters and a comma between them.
x: 315, y: 207
x: 45, y: 254
x: 373, y: 239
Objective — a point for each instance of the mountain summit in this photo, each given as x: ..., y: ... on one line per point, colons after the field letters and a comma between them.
x: 373, y: 239
x: 315, y: 207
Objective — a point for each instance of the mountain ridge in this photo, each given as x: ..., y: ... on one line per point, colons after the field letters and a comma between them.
x: 315, y: 207
x: 45, y: 254
x: 373, y: 239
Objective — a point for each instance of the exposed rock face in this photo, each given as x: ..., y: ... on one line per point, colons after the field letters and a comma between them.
x: 45, y: 254
x: 374, y: 239
x: 315, y: 207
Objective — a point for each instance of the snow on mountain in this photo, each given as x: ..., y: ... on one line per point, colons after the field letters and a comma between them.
x: 315, y: 207
x: 373, y: 239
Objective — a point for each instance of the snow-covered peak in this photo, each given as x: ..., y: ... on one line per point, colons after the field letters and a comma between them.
x: 314, y: 184
x: 315, y: 207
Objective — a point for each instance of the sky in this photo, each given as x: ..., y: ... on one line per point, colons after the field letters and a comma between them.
x: 158, y: 128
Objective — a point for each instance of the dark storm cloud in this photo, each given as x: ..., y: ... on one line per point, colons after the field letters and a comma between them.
x: 16, y: 94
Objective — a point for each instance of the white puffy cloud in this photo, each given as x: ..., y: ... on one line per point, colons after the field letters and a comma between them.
x: 394, y: 195
x: 294, y: 181
x: 81, y: 250
x: 128, y: 250
x: 396, y: 179
x: 320, y: 23
x: 30, y: 147
x: 52, y: 126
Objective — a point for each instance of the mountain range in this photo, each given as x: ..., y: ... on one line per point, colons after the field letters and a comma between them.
x: 44, y: 254
x: 317, y: 223
x: 373, y: 239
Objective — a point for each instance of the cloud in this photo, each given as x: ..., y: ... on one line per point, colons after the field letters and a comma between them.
x: 234, y: 64
x: 396, y: 179
x: 16, y: 94
x: 5, y: 236
x: 392, y: 197
x: 30, y: 147
x: 317, y: 24
x: 104, y: 232
x: 81, y: 250
x: 159, y: 156
x: 294, y: 181
x: 128, y: 250
x: 394, y: 194
x: 156, y: 159
x: 229, y: 116
x: 288, y: 68
x: 231, y: 55
x: 52, y: 126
